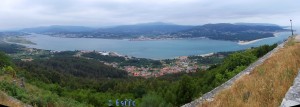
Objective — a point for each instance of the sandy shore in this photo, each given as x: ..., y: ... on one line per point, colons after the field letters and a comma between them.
x: 256, y: 40
x: 205, y: 55
x: 249, y: 42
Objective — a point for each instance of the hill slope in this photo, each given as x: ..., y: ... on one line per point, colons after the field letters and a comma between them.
x: 156, y: 28
x: 57, y: 28
x: 267, y: 85
x: 220, y: 31
x: 122, y: 31
x: 232, y: 32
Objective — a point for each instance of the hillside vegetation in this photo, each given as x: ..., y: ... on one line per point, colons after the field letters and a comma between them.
x: 231, y: 32
x: 65, y: 80
x: 267, y: 85
x: 219, y: 31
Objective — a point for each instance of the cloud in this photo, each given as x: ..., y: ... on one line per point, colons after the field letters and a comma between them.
x: 29, y: 13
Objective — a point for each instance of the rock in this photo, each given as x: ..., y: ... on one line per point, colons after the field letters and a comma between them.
x: 292, y: 97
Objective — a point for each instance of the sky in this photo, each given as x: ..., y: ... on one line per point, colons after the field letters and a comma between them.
x: 16, y: 14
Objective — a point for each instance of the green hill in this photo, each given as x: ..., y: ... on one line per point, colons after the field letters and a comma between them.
x: 64, y: 80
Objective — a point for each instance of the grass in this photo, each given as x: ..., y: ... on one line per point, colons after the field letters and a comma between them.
x: 267, y: 85
x: 31, y: 95
x: 5, y: 88
x: 291, y: 41
x: 6, y: 100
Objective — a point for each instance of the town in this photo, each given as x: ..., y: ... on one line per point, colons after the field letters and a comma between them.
x: 167, y: 66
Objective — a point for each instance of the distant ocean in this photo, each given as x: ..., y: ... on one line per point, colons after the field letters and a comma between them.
x: 159, y: 49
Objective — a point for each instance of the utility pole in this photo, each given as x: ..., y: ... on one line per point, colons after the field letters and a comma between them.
x: 292, y: 27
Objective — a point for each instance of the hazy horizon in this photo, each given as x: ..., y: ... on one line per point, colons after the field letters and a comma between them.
x: 17, y: 14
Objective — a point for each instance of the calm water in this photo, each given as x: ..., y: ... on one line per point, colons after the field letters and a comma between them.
x: 160, y: 49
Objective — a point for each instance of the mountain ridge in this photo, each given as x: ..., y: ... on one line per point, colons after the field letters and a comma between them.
x: 57, y: 28
x: 219, y: 31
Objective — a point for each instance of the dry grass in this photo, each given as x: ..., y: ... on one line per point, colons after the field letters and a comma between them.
x: 267, y: 85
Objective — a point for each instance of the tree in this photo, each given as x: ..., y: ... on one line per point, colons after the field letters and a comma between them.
x: 219, y: 78
x: 4, y: 60
x: 185, y: 90
x: 10, y: 70
x: 170, y: 96
x: 153, y: 100
x: 239, y: 59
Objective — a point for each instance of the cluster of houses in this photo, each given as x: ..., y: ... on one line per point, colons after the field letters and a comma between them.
x: 181, y: 64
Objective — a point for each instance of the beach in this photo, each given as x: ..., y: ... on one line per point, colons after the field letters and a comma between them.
x: 249, y: 42
x: 256, y: 40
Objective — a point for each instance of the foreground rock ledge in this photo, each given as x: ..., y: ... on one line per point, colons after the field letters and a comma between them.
x: 292, y: 97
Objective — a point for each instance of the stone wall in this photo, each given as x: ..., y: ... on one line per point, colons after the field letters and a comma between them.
x: 292, y: 97
x: 210, y: 95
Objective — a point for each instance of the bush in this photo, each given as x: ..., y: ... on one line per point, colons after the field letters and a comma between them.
x: 15, y: 91
x: 4, y: 60
x: 153, y: 100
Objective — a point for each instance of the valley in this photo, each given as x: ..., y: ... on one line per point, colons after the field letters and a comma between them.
x: 149, y: 53
x: 63, y: 71
x: 84, y: 79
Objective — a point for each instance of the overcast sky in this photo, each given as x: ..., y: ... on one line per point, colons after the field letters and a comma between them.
x: 96, y: 13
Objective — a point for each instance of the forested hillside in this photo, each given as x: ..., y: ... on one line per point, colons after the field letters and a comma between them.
x: 219, y: 31
x: 232, y: 32
x: 85, y: 81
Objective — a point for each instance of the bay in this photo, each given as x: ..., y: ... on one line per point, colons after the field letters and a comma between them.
x: 157, y: 49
